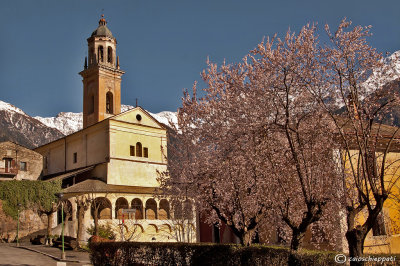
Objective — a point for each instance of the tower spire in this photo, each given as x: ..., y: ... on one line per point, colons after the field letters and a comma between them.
x: 101, y: 77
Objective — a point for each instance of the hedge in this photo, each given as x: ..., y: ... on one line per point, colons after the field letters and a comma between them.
x: 133, y: 253
x: 31, y: 194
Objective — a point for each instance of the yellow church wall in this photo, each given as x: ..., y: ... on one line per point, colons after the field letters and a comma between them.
x: 53, y: 157
x: 131, y: 173
x: 134, y: 170
x: 124, y: 135
x: 90, y: 146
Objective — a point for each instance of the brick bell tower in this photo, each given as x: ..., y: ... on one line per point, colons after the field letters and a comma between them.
x: 101, y: 77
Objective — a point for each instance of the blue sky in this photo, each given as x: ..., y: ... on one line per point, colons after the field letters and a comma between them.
x: 162, y: 45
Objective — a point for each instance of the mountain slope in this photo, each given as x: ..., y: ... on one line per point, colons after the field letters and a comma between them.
x: 20, y: 128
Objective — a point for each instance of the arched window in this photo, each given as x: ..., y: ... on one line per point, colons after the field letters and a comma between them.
x: 109, y: 103
x: 163, y: 213
x: 91, y: 104
x: 138, y: 206
x: 100, y: 53
x: 139, y: 149
x: 109, y: 54
x: 121, y: 203
x: 151, y: 209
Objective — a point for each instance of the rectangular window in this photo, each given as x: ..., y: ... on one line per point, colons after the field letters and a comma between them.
x: 75, y: 157
x: 22, y: 166
x: 132, y: 150
x: 146, y: 152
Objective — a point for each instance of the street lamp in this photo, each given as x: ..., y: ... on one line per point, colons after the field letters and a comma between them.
x: 19, y: 206
x: 60, y: 196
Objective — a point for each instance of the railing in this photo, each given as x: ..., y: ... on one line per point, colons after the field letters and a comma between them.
x: 8, y: 171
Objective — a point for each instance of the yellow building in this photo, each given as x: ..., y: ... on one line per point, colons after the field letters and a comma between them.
x: 116, y: 156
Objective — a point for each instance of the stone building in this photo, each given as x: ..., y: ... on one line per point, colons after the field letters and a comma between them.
x: 19, y: 163
x: 115, y: 157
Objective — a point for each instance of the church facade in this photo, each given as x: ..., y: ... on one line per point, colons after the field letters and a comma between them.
x: 115, y: 158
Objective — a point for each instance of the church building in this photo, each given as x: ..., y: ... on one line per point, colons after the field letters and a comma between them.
x: 115, y: 158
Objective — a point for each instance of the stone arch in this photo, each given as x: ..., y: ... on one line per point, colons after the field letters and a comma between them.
x: 138, y: 206
x: 109, y: 103
x: 103, y: 206
x: 163, y: 213
x: 151, y: 209
x: 120, y: 204
x: 165, y: 228
x: 151, y: 229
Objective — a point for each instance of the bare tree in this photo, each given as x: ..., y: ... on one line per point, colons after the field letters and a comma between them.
x: 97, y: 205
x: 49, y: 213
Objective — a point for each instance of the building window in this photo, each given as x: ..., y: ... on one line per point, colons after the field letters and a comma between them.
x: 132, y: 150
x: 109, y: 54
x: 378, y: 229
x: 7, y: 165
x: 100, y: 54
x: 109, y: 103
x: 146, y: 152
x: 22, y: 166
x: 75, y: 157
x: 139, y: 149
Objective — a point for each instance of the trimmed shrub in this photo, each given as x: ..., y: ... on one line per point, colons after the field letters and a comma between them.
x: 133, y: 253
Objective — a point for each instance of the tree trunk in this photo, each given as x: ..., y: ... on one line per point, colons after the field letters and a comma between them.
x: 297, y: 238
x: 96, y: 224
x: 355, y: 239
x: 80, y: 224
x: 49, y: 226
x: 246, y: 238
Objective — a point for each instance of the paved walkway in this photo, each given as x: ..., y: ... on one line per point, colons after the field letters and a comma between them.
x: 28, y: 254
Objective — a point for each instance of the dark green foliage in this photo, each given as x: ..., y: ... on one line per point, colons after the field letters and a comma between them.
x: 105, y: 231
x: 35, y: 195
x: 133, y: 253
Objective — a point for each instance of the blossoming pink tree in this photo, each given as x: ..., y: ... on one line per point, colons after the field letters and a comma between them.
x: 355, y: 83
x: 269, y: 133
x: 303, y: 162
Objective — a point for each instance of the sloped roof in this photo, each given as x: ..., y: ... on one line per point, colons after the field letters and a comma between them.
x: 70, y: 173
x: 92, y: 185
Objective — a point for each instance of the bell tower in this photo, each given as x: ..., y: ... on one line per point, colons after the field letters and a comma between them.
x: 101, y: 77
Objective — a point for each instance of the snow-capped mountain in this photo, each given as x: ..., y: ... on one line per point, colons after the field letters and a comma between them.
x: 17, y: 126
x: 68, y: 123
x: 389, y: 72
